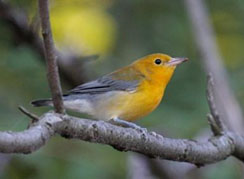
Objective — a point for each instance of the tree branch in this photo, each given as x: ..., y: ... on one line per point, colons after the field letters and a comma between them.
x: 51, y: 58
x: 217, y: 126
x: 228, y: 107
x: 30, y: 115
x: 123, y: 139
x: 226, y: 102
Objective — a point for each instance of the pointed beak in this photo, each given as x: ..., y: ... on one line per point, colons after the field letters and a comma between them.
x: 177, y: 60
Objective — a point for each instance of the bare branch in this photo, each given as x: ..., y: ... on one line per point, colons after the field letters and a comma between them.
x: 30, y: 115
x: 226, y: 102
x: 216, y: 124
x: 123, y: 139
x: 29, y: 140
x: 51, y: 57
x: 210, y: 97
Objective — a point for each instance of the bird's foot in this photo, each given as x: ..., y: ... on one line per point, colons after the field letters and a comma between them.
x: 127, y: 124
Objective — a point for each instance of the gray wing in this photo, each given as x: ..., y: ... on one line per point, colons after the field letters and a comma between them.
x: 104, y: 84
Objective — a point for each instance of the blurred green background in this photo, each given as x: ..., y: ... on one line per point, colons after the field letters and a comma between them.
x: 120, y: 32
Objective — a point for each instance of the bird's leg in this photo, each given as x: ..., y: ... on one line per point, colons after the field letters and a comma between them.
x: 123, y: 123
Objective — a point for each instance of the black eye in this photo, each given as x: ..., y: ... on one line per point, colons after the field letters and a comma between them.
x: 158, y: 61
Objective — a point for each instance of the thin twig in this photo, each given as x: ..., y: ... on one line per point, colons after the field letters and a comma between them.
x: 51, y: 57
x: 210, y: 97
x: 214, y: 120
x: 34, y: 117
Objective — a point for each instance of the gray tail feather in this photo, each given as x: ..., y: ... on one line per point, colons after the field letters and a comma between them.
x: 42, y: 102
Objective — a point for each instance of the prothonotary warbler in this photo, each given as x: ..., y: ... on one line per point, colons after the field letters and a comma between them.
x: 124, y: 95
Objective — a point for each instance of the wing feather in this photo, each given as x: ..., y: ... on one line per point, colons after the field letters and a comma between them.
x: 122, y: 80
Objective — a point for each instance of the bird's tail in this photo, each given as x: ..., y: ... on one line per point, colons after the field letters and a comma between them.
x: 42, y: 102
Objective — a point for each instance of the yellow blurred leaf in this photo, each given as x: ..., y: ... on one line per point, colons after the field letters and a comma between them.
x: 83, y: 28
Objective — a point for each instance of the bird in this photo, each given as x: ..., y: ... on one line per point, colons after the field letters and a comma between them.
x: 125, y: 95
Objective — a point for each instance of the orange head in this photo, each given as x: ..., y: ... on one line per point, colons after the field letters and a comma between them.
x: 158, y: 67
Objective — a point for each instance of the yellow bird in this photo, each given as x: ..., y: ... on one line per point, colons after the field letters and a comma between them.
x: 124, y: 95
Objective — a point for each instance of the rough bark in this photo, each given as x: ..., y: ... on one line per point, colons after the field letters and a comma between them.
x: 217, y: 148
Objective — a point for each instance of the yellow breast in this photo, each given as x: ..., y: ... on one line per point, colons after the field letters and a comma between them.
x: 144, y: 101
x: 134, y: 105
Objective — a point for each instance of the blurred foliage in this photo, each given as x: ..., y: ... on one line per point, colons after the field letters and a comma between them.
x: 229, y: 31
x: 83, y: 27
x: 123, y: 31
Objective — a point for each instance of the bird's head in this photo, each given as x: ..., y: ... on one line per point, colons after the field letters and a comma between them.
x: 158, y: 67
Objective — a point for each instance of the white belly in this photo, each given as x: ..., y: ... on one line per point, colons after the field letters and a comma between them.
x: 96, y: 106
x: 79, y: 105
